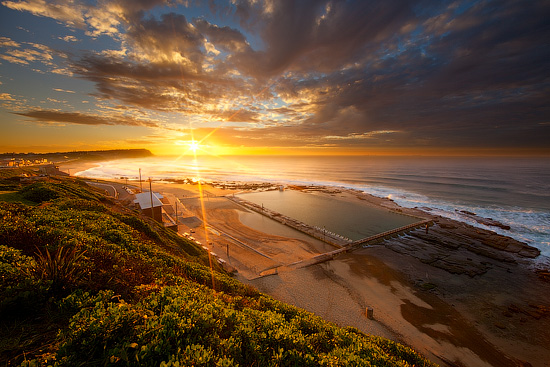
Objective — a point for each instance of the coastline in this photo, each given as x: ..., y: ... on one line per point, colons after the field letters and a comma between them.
x: 75, y: 166
x: 468, y: 298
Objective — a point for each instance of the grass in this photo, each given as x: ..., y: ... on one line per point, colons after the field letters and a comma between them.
x: 62, y: 267
x: 14, y: 197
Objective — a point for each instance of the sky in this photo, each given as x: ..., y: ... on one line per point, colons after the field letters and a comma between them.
x: 376, y: 77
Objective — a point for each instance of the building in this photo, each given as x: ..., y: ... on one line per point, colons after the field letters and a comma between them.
x: 143, y: 202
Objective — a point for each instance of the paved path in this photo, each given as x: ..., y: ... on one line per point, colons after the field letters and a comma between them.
x: 111, y: 190
x: 359, y: 243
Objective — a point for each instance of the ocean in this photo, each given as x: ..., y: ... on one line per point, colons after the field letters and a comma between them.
x: 514, y: 191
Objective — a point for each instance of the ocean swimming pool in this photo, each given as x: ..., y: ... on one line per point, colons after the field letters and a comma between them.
x: 353, y: 220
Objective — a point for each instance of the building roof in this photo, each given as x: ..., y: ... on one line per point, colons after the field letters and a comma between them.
x: 144, y: 200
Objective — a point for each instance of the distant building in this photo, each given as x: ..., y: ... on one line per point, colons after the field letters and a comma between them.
x: 21, y: 162
x: 143, y: 202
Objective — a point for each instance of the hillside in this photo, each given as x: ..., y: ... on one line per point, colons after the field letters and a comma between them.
x: 86, y: 281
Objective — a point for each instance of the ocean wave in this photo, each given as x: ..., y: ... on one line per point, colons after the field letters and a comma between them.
x: 526, y: 225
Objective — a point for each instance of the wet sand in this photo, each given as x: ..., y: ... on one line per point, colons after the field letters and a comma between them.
x: 458, y: 295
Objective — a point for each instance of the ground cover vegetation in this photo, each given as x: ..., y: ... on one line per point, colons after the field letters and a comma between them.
x: 88, y: 282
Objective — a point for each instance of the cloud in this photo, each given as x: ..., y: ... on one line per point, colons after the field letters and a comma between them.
x: 66, y: 11
x: 8, y: 42
x: 13, y: 60
x: 25, y: 53
x: 63, y: 90
x: 103, y: 17
x: 97, y: 18
x: 317, y: 36
x: 226, y: 38
x: 6, y: 97
x: 493, y: 46
x: 29, y: 55
x: 442, y: 83
x: 319, y: 72
x: 170, y: 39
x: 78, y: 118
x: 171, y: 85
x: 68, y: 38
x: 62, y: 71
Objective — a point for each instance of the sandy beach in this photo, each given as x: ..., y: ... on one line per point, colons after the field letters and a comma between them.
x: 459, y: 295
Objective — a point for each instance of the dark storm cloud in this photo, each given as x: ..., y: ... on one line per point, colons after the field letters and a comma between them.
x: 470, y: 78
x: 318, y: 36
x: 168, y: 35
x: 226, y: 38
x: 494, y: 45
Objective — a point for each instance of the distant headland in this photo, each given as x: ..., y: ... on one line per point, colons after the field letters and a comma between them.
x: 88, y: 155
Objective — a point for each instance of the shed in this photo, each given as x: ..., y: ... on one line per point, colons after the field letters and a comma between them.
x: 143, y: 202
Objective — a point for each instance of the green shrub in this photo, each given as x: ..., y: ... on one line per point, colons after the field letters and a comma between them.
x: 15, y: 229
x: 19, y: 293
x: 46, y: 191
x: 39, y: 192
x: 140, y: 225
x: 82, y: 205
x: 192, y: 325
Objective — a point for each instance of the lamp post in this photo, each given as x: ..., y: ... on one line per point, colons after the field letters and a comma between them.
x: 151, y: 193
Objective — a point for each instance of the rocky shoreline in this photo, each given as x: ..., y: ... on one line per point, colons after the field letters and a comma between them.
x: 485, y: 221
x: 458, y: 247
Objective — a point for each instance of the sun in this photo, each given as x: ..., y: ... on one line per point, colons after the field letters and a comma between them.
x: 194, y: 146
